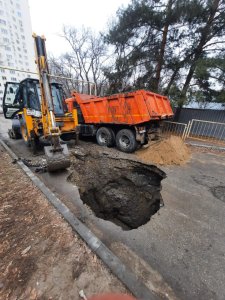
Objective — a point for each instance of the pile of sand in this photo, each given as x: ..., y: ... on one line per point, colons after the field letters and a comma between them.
x: 169, y: 151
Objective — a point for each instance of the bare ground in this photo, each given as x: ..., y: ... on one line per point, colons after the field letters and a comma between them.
x: 40, y: 256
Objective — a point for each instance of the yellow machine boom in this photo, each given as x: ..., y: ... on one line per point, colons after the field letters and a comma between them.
x: 57, y: 154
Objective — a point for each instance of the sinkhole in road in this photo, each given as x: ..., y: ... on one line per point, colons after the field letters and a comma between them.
x: 123, y: 191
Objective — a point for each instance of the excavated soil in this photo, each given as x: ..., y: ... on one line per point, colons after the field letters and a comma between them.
x: 124, y: 191
x: 169, y: 151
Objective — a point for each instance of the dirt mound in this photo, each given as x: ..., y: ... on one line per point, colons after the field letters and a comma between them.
x: 169, y: 151
x: 123, y: 191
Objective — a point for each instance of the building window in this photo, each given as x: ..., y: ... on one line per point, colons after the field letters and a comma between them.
x: 19, y: 14
x: 13, y: 78
x: 4, y: 31
x: 3, y: 78
x: 9, y: 56
x: 2, y: 70
x: 5, y: 40
x: 12, y: 72
x: 1, y: 92
x: 1, y: 12
x: 2, y: 22
x: 7, y: 48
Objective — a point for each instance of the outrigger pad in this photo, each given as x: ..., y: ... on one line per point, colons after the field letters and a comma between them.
x: 57, y: 160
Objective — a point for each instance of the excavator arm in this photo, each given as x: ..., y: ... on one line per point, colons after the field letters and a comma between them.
x: 57, y: 154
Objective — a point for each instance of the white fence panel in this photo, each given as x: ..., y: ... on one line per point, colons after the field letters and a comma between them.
x: 206, y: 130
x: 175, y: 128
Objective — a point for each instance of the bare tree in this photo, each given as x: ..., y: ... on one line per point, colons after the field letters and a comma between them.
x: 85, y: 60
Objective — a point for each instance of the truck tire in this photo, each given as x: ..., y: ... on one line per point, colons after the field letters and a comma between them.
x: 105, y: 137
x: 126, y: 141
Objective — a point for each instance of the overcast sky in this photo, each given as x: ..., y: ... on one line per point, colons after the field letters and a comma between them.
x: 48, y: 17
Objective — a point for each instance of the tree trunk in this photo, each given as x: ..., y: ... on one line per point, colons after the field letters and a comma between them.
x: 166, y: 92
x: 199, y: 50
x: 163, y: 44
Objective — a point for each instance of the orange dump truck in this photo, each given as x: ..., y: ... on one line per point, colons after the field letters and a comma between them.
x: 127, y: 119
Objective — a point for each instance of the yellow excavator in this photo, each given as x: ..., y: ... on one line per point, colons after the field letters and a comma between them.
x: 40, y: 108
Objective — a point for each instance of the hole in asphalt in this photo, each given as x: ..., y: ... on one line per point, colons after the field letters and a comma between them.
x: 123, y: 191
x: 218, y: 192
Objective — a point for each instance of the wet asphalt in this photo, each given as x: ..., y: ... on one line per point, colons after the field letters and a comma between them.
x: 184, y: 242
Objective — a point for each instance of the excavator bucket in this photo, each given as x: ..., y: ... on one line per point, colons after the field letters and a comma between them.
x: 57, y: 159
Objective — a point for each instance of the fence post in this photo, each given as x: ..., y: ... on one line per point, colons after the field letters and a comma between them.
x: 189, y: 128
x: 184, y: 133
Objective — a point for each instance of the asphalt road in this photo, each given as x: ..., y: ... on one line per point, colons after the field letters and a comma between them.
x: 181, y: 251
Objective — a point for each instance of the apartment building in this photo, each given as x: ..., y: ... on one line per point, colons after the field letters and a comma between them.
x: 16, y: 42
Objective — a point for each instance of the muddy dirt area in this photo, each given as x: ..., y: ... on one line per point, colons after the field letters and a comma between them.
x: 124, y: 191
x: 40, y: 256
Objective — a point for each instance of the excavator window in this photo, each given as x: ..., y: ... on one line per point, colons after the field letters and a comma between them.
x: 27, y: 94
x: 12, y: 100
x: 33, y: 100
x: 57, y: 100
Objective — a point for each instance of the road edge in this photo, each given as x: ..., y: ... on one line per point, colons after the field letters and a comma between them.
x: 120, y: 270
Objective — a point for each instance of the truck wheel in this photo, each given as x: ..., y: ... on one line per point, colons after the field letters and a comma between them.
x: 126, y: 141
x: 105, y: 137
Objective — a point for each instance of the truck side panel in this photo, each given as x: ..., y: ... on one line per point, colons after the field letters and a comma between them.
x: 158, y: 106
x: 129, y: 108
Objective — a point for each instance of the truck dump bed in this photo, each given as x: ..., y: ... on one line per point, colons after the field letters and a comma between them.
x: 128, y: 108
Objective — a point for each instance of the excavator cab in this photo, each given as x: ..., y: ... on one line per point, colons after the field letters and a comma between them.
x: 26, y: 94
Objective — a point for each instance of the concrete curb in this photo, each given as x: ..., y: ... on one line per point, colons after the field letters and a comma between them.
x: 206, y: 146
x: 121, y: 271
